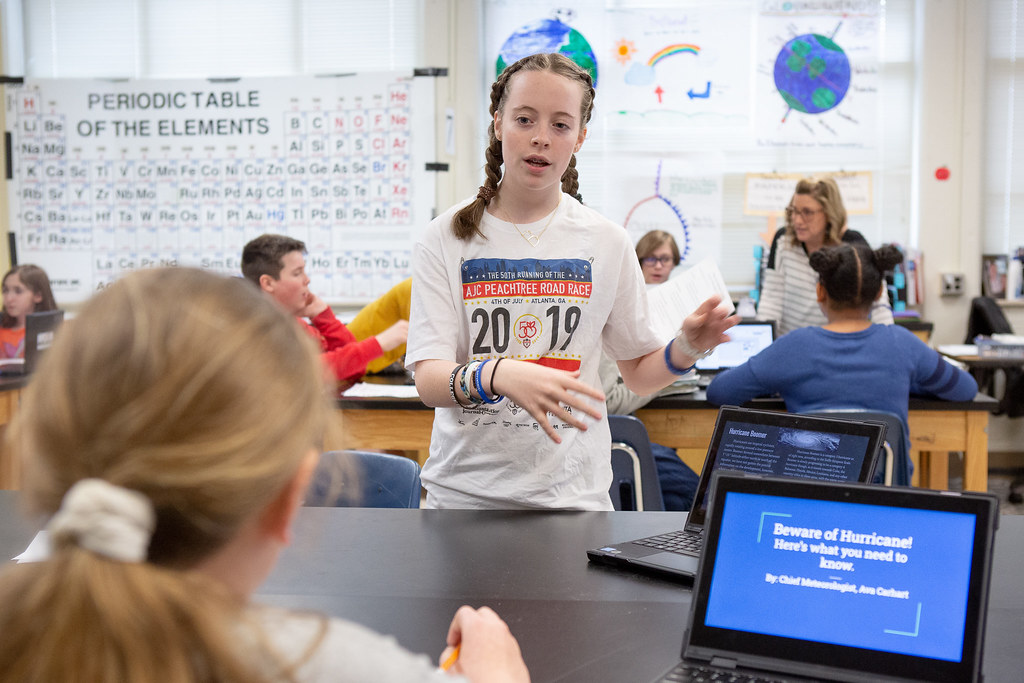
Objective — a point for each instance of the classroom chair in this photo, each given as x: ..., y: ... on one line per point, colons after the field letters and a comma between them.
x: 895, y: 467
x: 635, y: 484
x: 374, y: 480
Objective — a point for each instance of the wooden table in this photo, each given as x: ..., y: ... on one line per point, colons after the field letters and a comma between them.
x: 685, y: 422
x: 10, y: 397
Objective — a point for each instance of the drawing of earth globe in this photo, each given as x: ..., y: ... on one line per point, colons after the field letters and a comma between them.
x: 548, y: 35
x: 812, y: 73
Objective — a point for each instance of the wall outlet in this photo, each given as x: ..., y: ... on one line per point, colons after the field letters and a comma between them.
x: 952, y: 284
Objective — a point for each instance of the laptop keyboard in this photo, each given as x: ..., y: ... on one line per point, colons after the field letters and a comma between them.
x: 699, y: 674
x: 680, y: 541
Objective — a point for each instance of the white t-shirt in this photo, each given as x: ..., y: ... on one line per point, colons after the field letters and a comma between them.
x: 578, y: 291
x: 333, y: 651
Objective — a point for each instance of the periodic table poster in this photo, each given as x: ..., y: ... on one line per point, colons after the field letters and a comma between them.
x: 107, y: 177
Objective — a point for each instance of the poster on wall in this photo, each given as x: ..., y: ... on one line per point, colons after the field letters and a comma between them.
x: 677, y: 67
x: 518, y: 29
x: 110, y: 177
x: 681, y: 196
x: 768, y: 194
x: 816, y: 79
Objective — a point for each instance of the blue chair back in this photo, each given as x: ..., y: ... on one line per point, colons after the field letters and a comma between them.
x: 635, y: 484
x: 895, y: 469
x: 382, y: 480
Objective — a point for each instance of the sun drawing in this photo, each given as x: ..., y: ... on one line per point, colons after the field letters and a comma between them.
x: 624, y: 50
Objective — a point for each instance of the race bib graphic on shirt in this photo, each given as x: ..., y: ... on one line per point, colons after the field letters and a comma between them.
x: 527, y: 309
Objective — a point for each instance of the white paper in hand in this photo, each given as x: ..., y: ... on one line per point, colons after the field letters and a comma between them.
x: 670, y: 303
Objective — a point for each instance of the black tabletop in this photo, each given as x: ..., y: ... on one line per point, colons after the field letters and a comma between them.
x: 406, y: 571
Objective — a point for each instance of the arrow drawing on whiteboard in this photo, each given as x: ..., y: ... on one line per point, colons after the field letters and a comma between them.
x: 659, y: 92
x: 706, y: 94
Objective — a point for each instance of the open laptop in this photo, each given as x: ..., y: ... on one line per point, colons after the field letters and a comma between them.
x: 747, y: 339
x: 810, y: 580
x: 761, y: 442
x: 39, y: 332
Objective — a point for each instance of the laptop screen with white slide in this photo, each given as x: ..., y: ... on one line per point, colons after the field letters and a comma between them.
x: 746, y: 340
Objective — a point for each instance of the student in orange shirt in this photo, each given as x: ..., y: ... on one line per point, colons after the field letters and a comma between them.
x: 26, y: 289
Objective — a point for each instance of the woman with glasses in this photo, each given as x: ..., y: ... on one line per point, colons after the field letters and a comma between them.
x: 815, y: 218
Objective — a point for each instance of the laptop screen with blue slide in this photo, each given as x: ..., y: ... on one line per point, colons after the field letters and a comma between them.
x: 843, y: 582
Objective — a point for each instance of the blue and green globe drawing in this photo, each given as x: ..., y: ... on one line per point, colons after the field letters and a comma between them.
x: 812, y: 73
x: 548, y: 35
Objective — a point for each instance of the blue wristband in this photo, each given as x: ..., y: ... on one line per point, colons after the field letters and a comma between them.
x: 480, y: 385
x: 668, y: 362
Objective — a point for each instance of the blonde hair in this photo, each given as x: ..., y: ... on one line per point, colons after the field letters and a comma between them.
x: 826, y: 192
x: 466, y: 222
x: 198, y: 392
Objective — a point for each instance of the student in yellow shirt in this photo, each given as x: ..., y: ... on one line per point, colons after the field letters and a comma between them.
x: 381, y: 314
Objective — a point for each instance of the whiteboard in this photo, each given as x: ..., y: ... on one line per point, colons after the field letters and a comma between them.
x: 109, y: 177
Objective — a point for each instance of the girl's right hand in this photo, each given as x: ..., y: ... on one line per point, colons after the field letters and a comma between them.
x: 488, y: 652
x: 541, y: 390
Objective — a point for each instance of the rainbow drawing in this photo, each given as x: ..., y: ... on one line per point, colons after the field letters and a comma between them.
x: 673, y: 50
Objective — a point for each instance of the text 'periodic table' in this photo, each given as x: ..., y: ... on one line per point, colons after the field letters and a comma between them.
x: 109, y: 177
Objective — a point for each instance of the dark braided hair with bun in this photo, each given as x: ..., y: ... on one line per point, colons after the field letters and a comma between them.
x: 466, y: 222
x: 852, y: 274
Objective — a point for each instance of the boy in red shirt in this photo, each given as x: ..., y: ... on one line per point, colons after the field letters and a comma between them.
x: 277, y: 265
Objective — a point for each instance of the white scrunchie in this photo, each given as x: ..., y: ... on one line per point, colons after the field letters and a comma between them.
x: 108, y: 520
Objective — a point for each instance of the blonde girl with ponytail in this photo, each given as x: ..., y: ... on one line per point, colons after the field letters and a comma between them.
x: 169, y: 435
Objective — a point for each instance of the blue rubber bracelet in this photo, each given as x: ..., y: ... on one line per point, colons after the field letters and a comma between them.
x: 480, y: 385
x: 671, y: 367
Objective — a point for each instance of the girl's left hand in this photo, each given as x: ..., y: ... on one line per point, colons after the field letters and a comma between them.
x: 706, y: 327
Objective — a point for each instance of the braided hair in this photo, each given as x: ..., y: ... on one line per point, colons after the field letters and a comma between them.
x: 852, y: 274
x: 466, y: 222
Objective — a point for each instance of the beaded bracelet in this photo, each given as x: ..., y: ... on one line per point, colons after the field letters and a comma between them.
x: 465, y: 382
x: 671, y: 367
x: 480, y: 385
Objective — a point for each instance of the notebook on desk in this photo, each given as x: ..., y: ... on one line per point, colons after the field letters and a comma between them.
x: 39, y: 332
x: 756, y: 441
x: 811, y: 580
x: 747, y: 339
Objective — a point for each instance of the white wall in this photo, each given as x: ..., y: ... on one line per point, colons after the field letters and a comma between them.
x: 950, y: 123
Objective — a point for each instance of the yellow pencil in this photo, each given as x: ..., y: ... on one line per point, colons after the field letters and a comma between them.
x: 451, y: 659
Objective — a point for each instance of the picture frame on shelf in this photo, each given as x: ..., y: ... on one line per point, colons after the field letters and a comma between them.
x: 993, y: 275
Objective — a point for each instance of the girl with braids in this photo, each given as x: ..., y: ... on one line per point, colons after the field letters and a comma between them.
x: 849, y: 362
x: 172, y: 478
x: 515, y: 293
